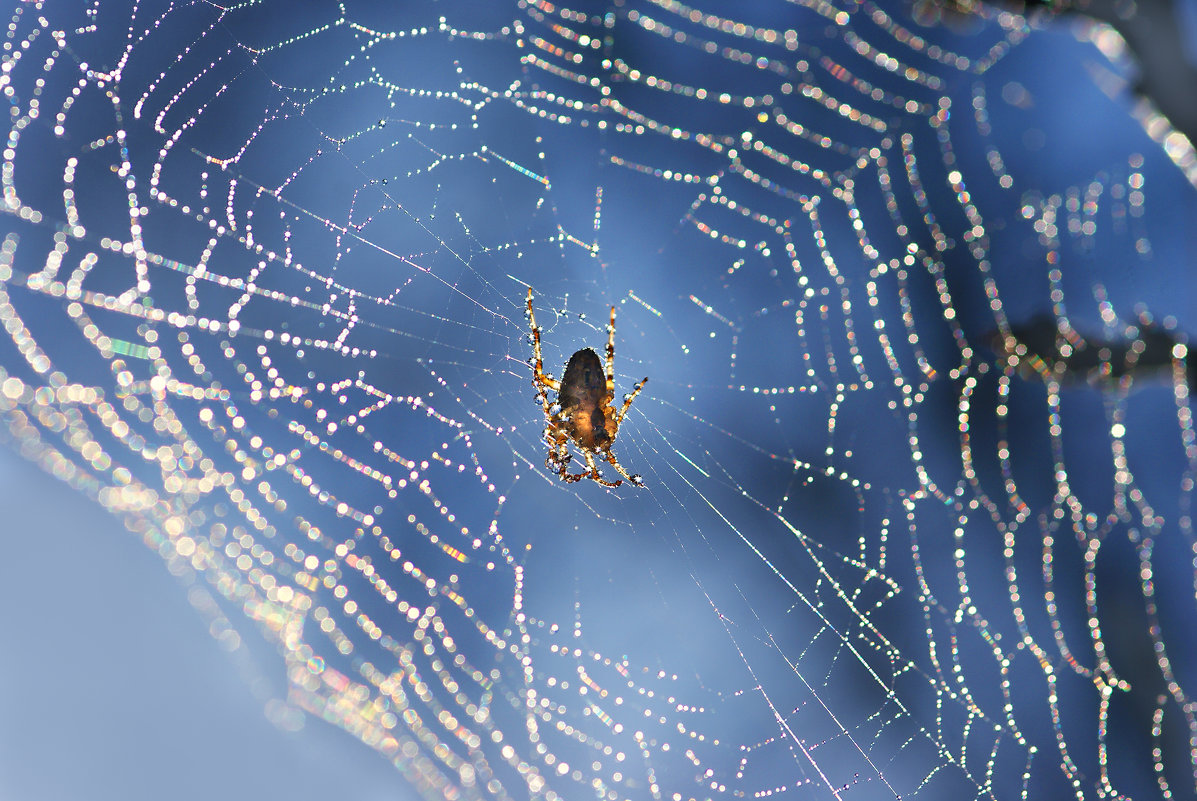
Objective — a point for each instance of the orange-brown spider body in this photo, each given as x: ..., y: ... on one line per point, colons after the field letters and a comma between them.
x: 583, y: 397
x: 584, y: 410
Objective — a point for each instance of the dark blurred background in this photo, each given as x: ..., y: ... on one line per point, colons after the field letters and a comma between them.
x: 735, y: 567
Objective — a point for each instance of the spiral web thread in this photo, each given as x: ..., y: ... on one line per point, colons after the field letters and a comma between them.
x: 263, y: 278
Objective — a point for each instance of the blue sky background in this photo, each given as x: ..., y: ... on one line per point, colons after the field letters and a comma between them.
x: 117, y: 690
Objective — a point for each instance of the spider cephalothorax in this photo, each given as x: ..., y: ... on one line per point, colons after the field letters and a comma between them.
x: 584, y: 410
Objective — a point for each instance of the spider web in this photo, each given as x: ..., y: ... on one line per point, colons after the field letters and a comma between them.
x: 917, y: 435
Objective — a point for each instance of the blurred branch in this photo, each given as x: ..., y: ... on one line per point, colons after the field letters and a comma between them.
x: 1154, y: 30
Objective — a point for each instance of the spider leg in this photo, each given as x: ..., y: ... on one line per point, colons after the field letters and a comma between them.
x: 594, y: 473
x: 557, y: 457
x: 611, y: 355
x: 544, y: 402
x: 551, y: 433
x: 539, y: 378
x: 553, y: 460
x: 634, y: 479
x: 571, y: 477
x: 627, y: 403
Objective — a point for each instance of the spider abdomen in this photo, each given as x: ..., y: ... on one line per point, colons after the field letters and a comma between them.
x: 583, y: 383
x: 582, y: 396
x: 583, y: 412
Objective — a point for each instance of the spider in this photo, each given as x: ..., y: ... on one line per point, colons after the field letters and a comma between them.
x: 584, y: 409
